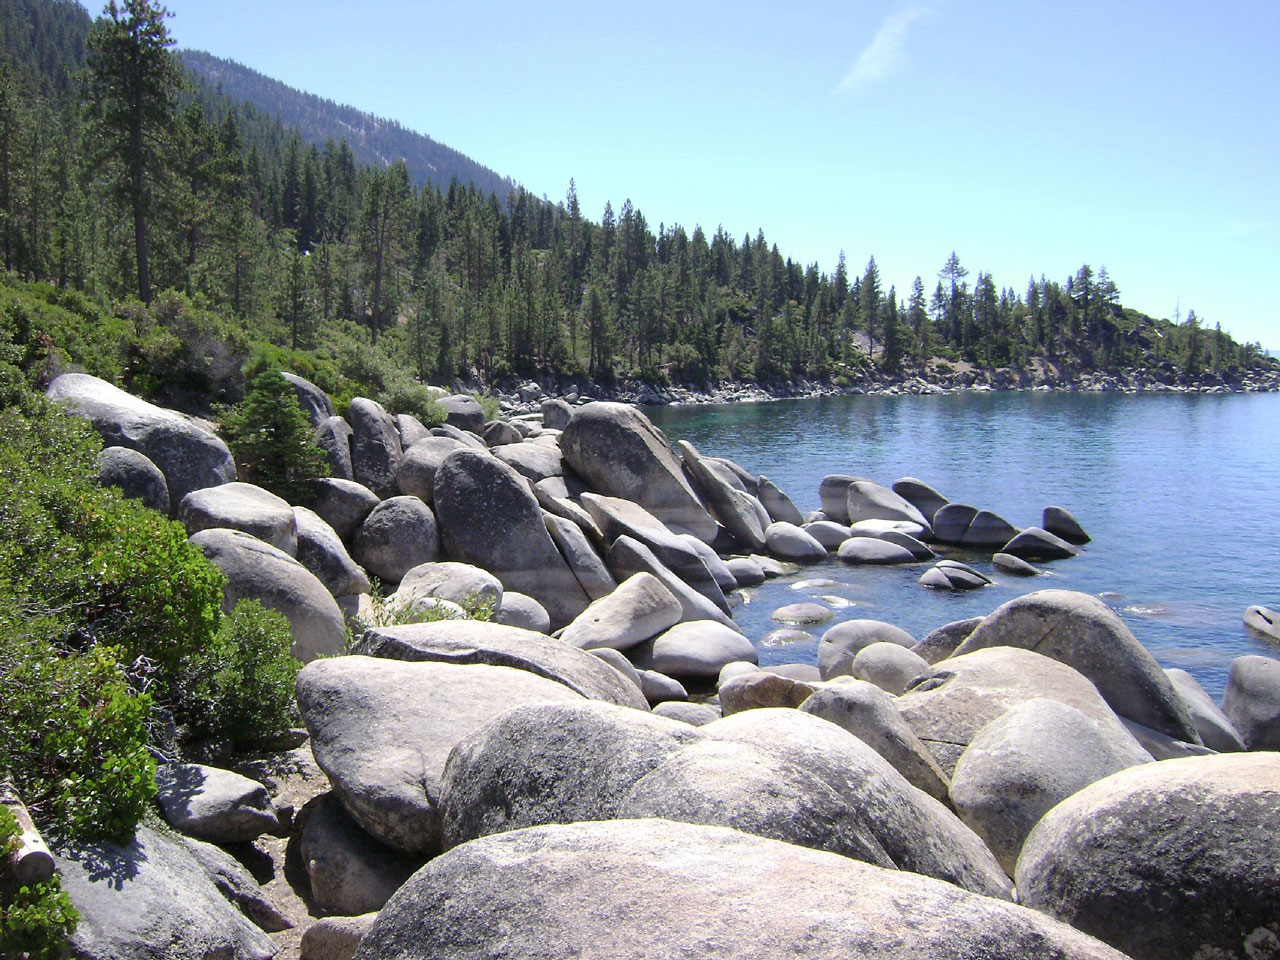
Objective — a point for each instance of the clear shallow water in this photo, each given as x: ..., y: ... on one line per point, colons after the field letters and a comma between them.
x: 1181, y: 495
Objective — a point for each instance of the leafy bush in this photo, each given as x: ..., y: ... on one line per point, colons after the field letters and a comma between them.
x: 245, y: 683
x: 490, y: 404
x: 272, y: 440
x: 415, y: 399
x: 36, y: 920
x: 106, y: 609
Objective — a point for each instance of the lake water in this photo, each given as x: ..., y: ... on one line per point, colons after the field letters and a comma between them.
x: 1179, y: 493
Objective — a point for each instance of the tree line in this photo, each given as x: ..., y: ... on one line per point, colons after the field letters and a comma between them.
x: 120, y: 175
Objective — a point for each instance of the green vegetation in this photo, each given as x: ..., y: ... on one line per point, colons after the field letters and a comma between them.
x: 277, y: 240
x: 35, y: 920
x: 271, y: 439
x: 111, y: 622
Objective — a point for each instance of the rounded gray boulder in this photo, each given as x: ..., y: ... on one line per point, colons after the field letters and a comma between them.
x: 840, y: 644
x: 244, y: 507
x: 1252, y: 701
x: 398, y: 535
x: 1166, y: 861
x: 134, y: 475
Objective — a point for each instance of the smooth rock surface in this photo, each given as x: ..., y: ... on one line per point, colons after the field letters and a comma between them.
x: 416, y: 471
x: 1210, y: 722
x: 867, y: 712
x: 640, y: 608
x: 381, y: 730
x: 375, y: 446
x: 463, y: 412
x: 947, y: 706
x: 694, y: 714
x: 534, y: 461
x: 134, y: 475
x: 399, y: 534
x: 335, y: 938
x: 807, y: 612
x: 1027, y: 761
x: 1083, y: 632
x: 1252, y: 701
x: 258, y: 571
x: 737, y: 510
x: 1264, y: 621
x: 489, y: 517
x: 212, y: 804
x: 872, y: 550
x: 350, y: 872
x: 840, y: 644
x: 833, y: 492
x: 777, y: 503
x: 1061, y: 523
x: 499, y: 645
x: 552, y: 763
x: 322, y: 551
x: 693, y: 649
x: 335, y: 438
x: 761, y: 689
x: 343, y: 504
x: 152, y: 893
x: 519, y: 610
x: 587, y: 565
x: 189, y: 456
x: 1015, y: 566
x: 315, y: 403
x: 1036, y: 544
x: 629, y: 556
x: 828, y: 533
x: 866, y: 500
x: 987, y: 530
x: 920, y: 495
x: 951, y: 521
x: 1166, y: 861
x: 463, y: 583
x: 620, y: 453
x: 890, y: 666
x: 941, y: 643
x: 665, y: 889
x: 790, y: 542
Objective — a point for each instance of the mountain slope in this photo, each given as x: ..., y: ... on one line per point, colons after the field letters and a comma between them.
x: 373, y: 140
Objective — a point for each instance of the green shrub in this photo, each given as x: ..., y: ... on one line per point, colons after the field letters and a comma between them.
x: 272, y: 439
x: 415, y: 399
x: 36, y: 920
x: 490, y: 404
x: 244, y: 684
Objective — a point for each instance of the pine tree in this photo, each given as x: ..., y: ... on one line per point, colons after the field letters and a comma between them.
x: 134, y: 83
x: 869, y: 302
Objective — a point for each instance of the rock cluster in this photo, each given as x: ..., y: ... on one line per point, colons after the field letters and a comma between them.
x: 503, y: 787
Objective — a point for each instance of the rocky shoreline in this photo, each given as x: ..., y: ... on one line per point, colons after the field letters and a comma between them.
x: 524, y: 397
x: 538, y: 780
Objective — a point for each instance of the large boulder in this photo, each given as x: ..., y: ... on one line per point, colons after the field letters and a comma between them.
x: 448, y: 580
x: 315, y: 403
x: 1211, y: 723
x: 349, y: 871
x: 988, y: 530
x: 150, y: 898
x: 189, y: 456
x: 398, y: 534
x: 940, y: 643
x: 920, y: 495
x: 489, y: 517
x: 874, y: 551
x: 463, y: 412
x: 866, y: 500
x: 499, y: 645
x: 1083, y: 632
x: 1263, y: 620
x: 695, y: 649
x: 804, y: 761
x: 551, y: 763
x: 244, y: 507
x: 890, y: 666
x: 957, y: 697
x: 777, y: 503
x: 1167, y: 860
x: 790, y: 542
x: 651, y: 888
x: 1027, y: 761
x: 1036, y: 544
x: 375, y: 446
x: 212, y: 804
x: 520, y: 610
x: 343, y: 504
x: 576, y: 548
x: 867, y: 712
x: 555, y: 414
x: 1061, y: 523
x: 258, y: 571
x: 381, y: 730
x: 416, y: 472
x: 499, y: 433
x: 951, y: 521
x: 629, y: 556
x: 640, y: 608
x: 620, y: 453
x: 322, y: 551
x: 1252, y: 701
x: 134, y: 475
x: 756, y: 689
x: 833, y: 493
x: 411, y: 430
x: 740, y: 513
x: 621, y: 518
x: 535, y: 461
x: 828, y: 533
x: 334, y: 437
x: 840, y: 644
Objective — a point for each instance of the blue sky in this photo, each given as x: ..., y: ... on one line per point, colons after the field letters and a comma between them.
x: 1030, y: 138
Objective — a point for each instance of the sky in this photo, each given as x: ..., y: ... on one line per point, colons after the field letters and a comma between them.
x: 1029, y: 138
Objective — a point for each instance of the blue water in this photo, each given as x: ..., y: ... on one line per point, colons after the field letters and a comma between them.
x: 1179, y: 493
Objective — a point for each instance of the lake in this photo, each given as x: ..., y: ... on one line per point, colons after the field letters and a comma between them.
x: 1179, y: 493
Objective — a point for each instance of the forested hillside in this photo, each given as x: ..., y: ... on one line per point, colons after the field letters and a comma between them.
x: 267, y: 241
x: 374, y: 141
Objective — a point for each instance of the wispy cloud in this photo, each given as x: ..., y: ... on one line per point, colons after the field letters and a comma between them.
x: 882, y: 54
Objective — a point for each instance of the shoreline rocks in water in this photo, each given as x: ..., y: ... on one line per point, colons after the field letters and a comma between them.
x: 909, y: 781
